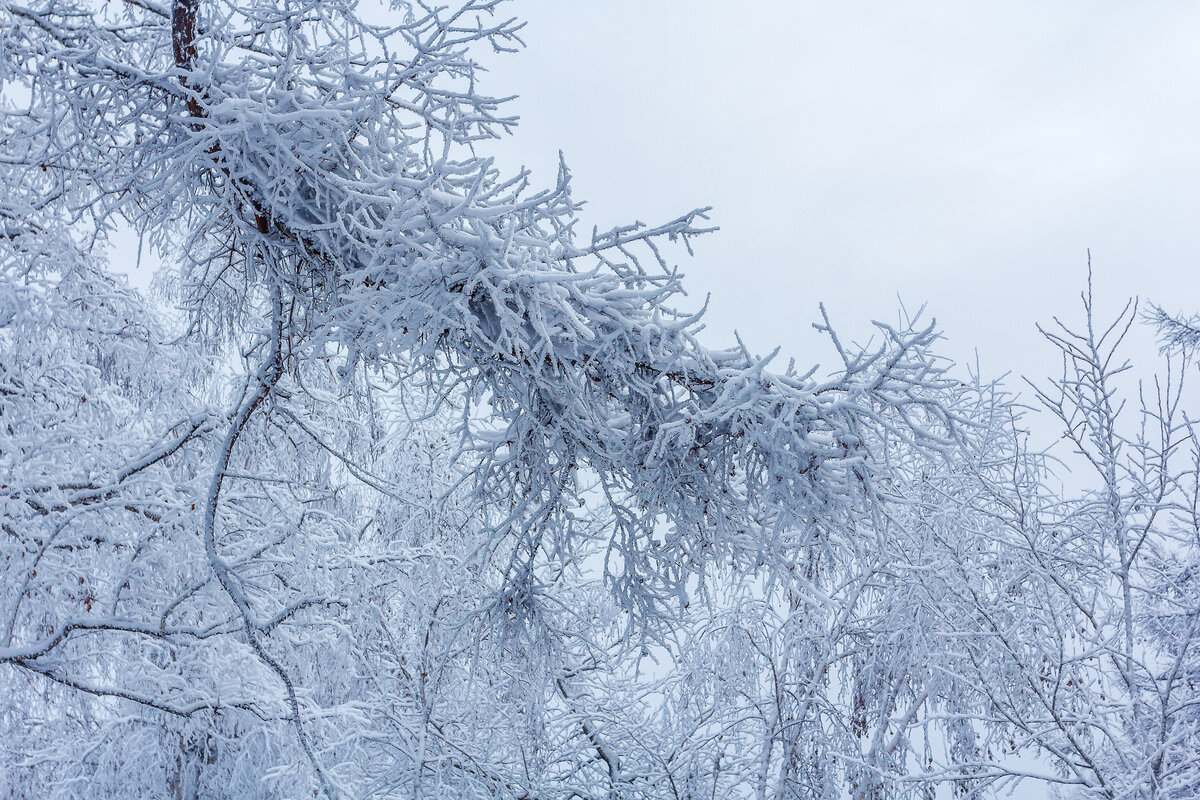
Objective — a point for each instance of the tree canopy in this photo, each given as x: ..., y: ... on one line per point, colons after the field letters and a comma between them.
x: 398, y: 484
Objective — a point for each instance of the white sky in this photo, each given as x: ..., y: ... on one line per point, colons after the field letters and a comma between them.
x: 963, y: 155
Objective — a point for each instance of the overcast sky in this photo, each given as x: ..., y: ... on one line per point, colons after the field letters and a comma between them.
x: 963, y: 155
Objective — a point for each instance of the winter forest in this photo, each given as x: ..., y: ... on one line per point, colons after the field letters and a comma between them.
x: 400, y: 482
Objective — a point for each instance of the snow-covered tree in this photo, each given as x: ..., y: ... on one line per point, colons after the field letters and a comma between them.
x: 402, y: 486
x: 202, y: 513
x: 1076, y: 613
